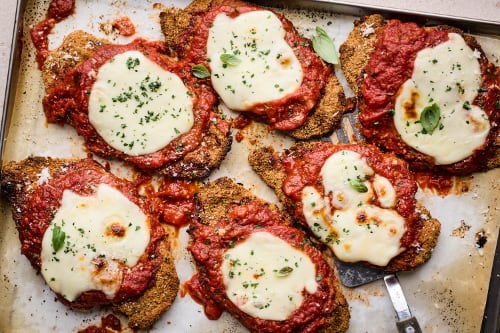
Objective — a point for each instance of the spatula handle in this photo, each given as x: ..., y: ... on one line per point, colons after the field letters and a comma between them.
x: 409, y: 325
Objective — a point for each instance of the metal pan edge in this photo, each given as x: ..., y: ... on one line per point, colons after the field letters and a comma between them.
x: 12, y: 73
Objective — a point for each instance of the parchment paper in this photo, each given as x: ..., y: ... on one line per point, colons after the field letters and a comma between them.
x: 447, y: 294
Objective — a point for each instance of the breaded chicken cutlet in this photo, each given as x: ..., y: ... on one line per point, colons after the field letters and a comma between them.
x: 308, y: 111
x: 428, y: 94
x: 353, y: 198
x: 140, y: 282
x: 253, y: 264
x: 196, y: 146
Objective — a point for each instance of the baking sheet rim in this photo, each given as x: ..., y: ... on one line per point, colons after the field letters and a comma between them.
x: 491, y: 318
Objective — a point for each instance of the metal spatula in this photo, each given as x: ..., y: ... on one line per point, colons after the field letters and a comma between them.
x: 406, y: 323
x: 353, y: 274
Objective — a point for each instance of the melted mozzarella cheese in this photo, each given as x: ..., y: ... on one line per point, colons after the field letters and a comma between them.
x: 449, y: 75
x: 250, y: 61
x: 100, y: 232
x: 354, y: 228
x: 386, y: 193
x: 137, y: 107
x: 353, y: 169
x: 266, y: 277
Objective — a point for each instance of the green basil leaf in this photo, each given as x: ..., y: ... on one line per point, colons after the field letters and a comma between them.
x: 430, y: 117
x: 200, y: 71
x: 324, y: 47
x: 229, y: 59
x: 358, y: 185
x: 58, y: 237
x: 284, y: 271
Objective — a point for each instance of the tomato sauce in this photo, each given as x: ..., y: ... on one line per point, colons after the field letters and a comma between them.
x: 390, y: 65
x: 124, y: 26
x: 82, y: 177
x: 220, y: 122
x: 68, y: 101
x: 244, y: 218
x: 303, y: 169
x: 241, y: 122
x: 176, y: 201
x: 197, y: 293
x: 58, y: 10
x: 442, y: 183
x: 288, y: 112
x: 109, y: 323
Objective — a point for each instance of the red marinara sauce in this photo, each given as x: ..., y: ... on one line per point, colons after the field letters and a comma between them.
x: 67, y: 102
x: 391, y: 64
x: 303, y: 168
x: 124, y: 26
x: 176, y: 201
x: 173, y: 199
x: 240, y: 123
x: 109, y: 323
x: 83, y: 177
x: 212, y: 310
x: 288, y: 112
x: 441, y: 184
x: 209, y: 244
x: 58, y: 11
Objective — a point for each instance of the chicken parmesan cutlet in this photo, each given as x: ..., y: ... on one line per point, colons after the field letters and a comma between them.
x: 428, y: 94
x: 357, y: 200
x: 253, y: 264
x: 134, y: 103
x: 93, y: 239
x: 258, y: 64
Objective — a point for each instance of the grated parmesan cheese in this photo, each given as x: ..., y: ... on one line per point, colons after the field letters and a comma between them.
x: 367, y: 30
x: 476, y: 54
x: 43, y: 176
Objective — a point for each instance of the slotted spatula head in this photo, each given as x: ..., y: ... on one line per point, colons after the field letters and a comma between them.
x: 354, y: 274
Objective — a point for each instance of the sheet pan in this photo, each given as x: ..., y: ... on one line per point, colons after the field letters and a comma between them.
x: 448, y: 294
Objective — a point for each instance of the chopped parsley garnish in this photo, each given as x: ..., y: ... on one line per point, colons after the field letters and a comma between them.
x: 155, y: 85
x: 132, y: 62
